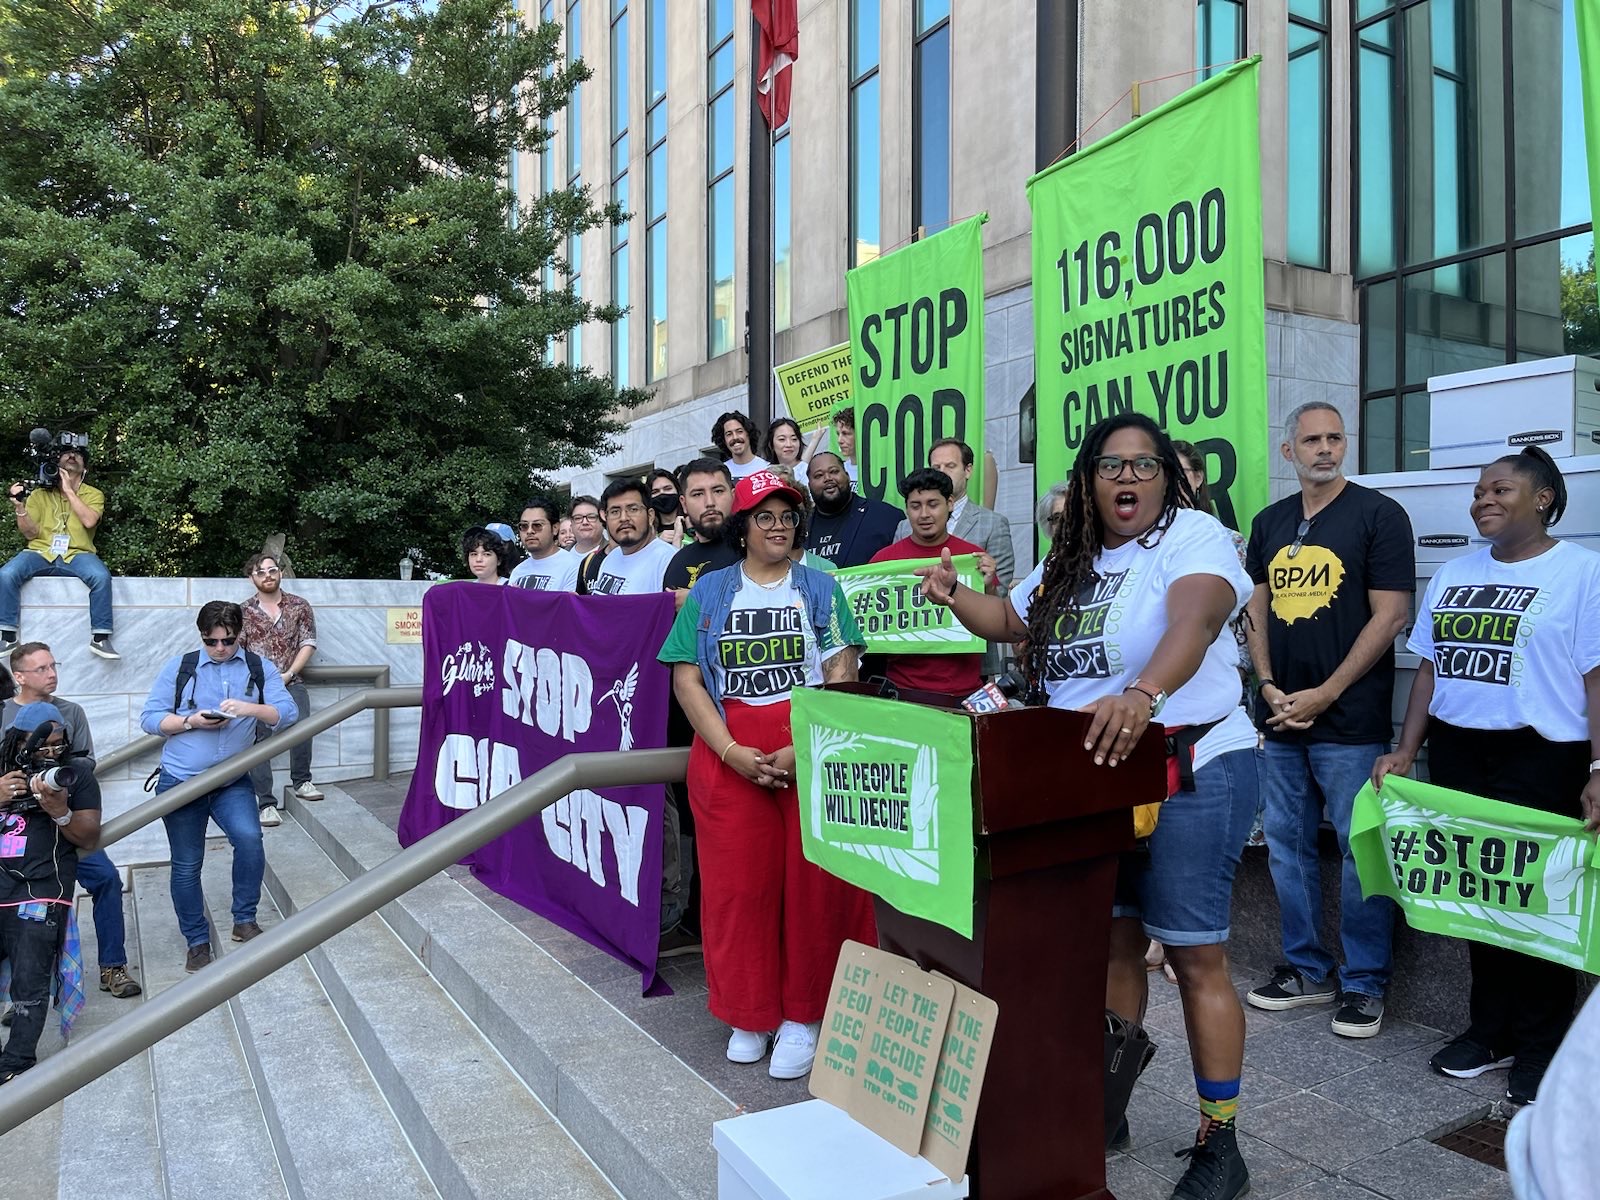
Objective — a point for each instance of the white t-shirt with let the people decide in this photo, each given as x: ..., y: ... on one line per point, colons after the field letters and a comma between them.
x: 1123, y: 616
x: 557, y: 572
x: 1511, y: 642
x: 624, y: 574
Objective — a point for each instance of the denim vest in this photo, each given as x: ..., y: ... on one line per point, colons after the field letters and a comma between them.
x: 714, y: 594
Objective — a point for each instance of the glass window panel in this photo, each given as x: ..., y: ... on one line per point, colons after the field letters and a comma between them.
x: 865, y: 174
x: 619, y: 155
x: 719, y: 21
x: 656, y: 187
x: 1414, y: 431
x: 782, y: 234
x: 1375, y: 150
x: 721, y: 74
x: 656, y: 359
x: 1377, y: 344
x: 619, y: 193
x: 720, y: 317
x: 1552, y: 179
x: 1455, y: 130
x: 1371, y: 8
x: 656, y: 124
x: 1311, y: 10
x: 1308, y: 147
x: 1378, y: 450
x: 574, y: 136
x: 619, y: 331
x: 1219, y: 34
x: 618, y: 7
x: 930, y: 13
x: 864, y: 37
x: 933, y: 132
x: 719, y: 135
x: 656, y: 33
x: 574, y: 30
x: 619, y: 76
x: 1455, y: 318
x: 1558, y: 311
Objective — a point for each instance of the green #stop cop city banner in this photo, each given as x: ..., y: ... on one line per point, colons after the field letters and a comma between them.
x: 896, y: 618
x: 916, y: 342
x: 1148, y: 290
x: 888, y: 810
x: 1467, y: 867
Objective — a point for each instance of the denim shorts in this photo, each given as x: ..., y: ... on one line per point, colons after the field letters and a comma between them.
x: 1182, y: 889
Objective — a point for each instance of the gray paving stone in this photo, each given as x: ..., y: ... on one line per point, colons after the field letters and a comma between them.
x: 1331, y: 1189
x: 1273, y: 1171
x: 1489, y: 1086
x: 133, y: 1175
x: 1419, y: 1170
x: 1315, y: 1129
x: 1129, y: 1179
x: 1305, y: 1056
x: 1414, y: 1103
x: 1156, y: 1117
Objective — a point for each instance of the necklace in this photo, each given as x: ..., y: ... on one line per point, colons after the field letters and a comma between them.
x: 771, y: 587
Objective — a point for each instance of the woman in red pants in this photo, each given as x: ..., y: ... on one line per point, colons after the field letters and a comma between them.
x: 771, y: 922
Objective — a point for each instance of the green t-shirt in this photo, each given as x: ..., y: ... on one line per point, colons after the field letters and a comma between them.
x: 768, y: 646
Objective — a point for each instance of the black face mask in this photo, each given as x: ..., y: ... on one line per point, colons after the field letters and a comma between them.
x: 665, y: 505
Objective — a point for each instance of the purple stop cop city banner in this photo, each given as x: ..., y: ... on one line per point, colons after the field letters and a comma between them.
x: 512, y: 681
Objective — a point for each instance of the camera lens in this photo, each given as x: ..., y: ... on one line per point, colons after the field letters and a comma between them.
x: 60, y: 777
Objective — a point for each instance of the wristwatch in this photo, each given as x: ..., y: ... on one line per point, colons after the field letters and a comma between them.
x: 1158, y: 698
x: 63, y: 820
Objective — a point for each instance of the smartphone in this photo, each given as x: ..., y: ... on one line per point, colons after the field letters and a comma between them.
x: 214, y: 714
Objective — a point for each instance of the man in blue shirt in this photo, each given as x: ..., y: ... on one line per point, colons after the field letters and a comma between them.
x: 206, y: 705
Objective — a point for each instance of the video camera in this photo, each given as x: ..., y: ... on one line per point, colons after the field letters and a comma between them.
x: 21, y: 750
x: 44, y: 452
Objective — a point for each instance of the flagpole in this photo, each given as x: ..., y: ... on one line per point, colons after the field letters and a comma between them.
x: 758, y: 316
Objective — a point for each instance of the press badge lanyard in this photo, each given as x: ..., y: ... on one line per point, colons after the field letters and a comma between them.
x: 62, y: 539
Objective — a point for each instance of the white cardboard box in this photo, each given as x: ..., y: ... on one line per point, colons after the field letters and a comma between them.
x: 1476, y: 416
x: 814, y: 1151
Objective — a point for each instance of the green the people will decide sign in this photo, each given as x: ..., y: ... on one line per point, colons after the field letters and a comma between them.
x: 888, y: 810
x: 895, y: 618
x: 1147, y: 288
x: 916, y: 340
x: 1499, y: 873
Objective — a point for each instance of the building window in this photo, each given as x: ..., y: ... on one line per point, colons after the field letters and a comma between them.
x: 720, y: 201
x: 574, y: 31
x: 1474, y: 242
x: 619, y: 190
x: 655, y: 188
x: 782, y: 231
x: 1218, y: 35
x: 866, y: 179
x: 930, y: 132
x: 547, y: 173
x: 1309, y: 133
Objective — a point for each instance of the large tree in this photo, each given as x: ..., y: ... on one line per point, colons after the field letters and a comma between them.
x: 266, y: 255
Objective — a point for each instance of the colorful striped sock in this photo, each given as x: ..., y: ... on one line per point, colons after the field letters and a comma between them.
x: 1219, y: 1099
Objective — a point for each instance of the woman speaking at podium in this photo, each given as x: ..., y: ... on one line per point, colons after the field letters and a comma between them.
x: 1127, y: 619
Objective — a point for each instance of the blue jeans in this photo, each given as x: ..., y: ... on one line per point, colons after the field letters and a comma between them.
x: 100, y: 879
x: 28, y: 563
x: 1302, y: 777
x: 233, y: 807
x: 299, y: 756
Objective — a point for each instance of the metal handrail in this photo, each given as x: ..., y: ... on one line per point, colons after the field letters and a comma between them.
x: 228, y: 770
x: 377, y: 674
x: 83, y: 1062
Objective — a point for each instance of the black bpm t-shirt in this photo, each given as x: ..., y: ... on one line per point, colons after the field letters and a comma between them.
x: 1359, y: 543
x: 696, y: 559
x: 37, y: 862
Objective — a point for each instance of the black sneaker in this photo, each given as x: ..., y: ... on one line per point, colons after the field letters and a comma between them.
x: 678, y: 941
x: 1466, y: 1059
x: 100, y: 644
x: 8, y: 642
x: 1121, y: 1139
x: 1359, y: 1015
x: 1526, y: 1076
x: 1289, y: 989
x: 1216, y: 1170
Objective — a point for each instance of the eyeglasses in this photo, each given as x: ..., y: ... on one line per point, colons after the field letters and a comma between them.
x: 41, y: 669
x: 1300, y: 536
x: 227, y: 641
x: 268, y: 571
x: 1109, y: 466
x: 530, y: 526
x: 585, y: 517
x: 629, y: 510
x: 788, y: 518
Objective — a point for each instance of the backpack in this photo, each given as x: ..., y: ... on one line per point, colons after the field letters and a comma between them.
x: 191, y: 661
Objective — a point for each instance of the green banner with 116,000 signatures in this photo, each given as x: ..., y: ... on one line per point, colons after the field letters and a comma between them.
x: 886, y: 799
x: 916, y: 341
x: 1148, y: 292
x: 887, y: 602
x: 1467, y: 867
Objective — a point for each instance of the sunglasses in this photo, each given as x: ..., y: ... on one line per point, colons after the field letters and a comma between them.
x: 1300, y: 536
x: 227, y: 641
x: 530, y: 526
x: 268, y: 571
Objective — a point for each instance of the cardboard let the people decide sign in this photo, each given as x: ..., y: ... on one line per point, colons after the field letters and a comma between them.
x: 903, y: 1051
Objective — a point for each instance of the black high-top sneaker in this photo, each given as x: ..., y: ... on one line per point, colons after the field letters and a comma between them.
x: 1216, y: 1170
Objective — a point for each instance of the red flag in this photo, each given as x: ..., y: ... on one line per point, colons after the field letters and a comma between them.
x: 780, y: 46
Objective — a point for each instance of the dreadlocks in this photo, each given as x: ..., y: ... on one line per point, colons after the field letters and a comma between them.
x: 1076, y: 536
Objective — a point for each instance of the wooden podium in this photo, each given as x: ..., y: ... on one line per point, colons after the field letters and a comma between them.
x: 1049, y: 826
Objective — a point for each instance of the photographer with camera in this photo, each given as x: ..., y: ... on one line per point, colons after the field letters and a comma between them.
x: 57, y: 512
x: 47, y: 811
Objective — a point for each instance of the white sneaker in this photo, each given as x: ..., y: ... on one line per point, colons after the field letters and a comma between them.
x: 794, y: 1051
x: 308, y: 791
x: 271, y: 817
x: 748, y: 1046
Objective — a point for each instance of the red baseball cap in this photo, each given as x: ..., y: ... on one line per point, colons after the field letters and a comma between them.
x: 758, y: 485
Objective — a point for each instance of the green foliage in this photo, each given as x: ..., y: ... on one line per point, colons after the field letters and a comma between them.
x: 264, y: 254
x: 1580, y: 310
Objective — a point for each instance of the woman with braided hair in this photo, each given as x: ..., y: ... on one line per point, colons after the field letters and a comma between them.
x: 1126, y: 619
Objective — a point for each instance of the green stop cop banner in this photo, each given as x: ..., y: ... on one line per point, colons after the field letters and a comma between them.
x: 1148, y: 291
x: 896, y: 618
x: 888, y: 810
x: 1498, y: 873
x: 1588, y: 25
x: 916, y: 341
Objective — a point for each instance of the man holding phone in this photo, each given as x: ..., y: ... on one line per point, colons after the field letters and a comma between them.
x: 206, y: 704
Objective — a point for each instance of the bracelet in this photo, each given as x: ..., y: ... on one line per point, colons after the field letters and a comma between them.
x: 1266, y: 683
x: 724, y: 755
x: 954, y: 587
x: 1594, y: 766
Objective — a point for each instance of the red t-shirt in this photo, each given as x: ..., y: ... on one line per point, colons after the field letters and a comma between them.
x: 953, y: 674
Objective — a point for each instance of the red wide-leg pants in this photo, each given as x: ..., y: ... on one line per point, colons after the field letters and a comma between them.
x: 771, y: 923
